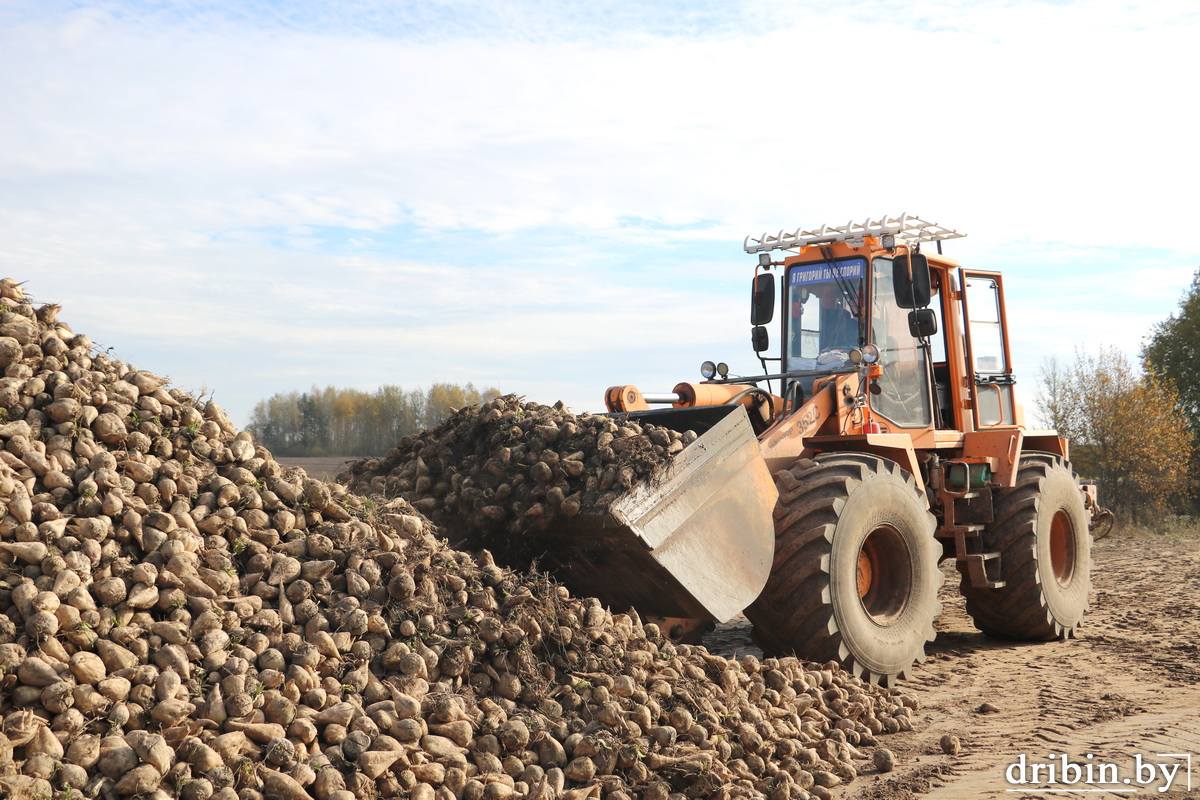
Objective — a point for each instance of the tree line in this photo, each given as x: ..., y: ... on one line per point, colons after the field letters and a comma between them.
x: 1135, y: 431
x: 348, y: 422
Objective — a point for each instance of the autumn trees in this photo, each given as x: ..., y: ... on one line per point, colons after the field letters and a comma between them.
x: 1136, y: 431
x: 1172, y: 354
x: 1126, y: 428
x: 350, y: 422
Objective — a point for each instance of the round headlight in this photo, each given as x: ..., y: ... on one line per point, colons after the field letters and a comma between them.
x: 723, y: 369
x: 870, y: 353
x: 708, y: 369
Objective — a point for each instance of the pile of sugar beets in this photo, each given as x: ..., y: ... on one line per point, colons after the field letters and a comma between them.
x: 509, y: 475
x: 182, y: 617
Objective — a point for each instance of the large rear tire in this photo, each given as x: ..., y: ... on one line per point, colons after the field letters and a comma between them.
x: 855, y: 575
x: 1040, y: 529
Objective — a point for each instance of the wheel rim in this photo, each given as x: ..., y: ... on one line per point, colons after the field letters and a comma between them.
x: 884, y: 575
x: 1062, y: 548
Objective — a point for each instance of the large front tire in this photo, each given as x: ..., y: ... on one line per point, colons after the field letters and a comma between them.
x: 855, y: 575
x: 1040, y: 529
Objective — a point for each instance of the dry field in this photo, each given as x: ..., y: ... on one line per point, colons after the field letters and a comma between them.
x: 1129, y: 686
x: 321, y: 467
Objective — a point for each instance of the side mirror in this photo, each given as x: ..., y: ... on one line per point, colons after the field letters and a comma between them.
x: 910, y: 281
x: 762, y: 302
x: 759, y: 338
x: 922, y: 323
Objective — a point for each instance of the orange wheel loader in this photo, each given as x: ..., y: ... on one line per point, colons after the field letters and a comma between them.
x: 883, y: 436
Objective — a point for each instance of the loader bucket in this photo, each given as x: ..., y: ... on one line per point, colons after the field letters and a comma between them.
x: 696, y: 539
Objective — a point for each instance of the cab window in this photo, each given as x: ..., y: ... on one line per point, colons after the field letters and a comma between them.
x: 824, y: 302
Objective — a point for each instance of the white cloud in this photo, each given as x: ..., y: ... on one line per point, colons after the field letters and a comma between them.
x: 504, y: 135
x: 328, y: 186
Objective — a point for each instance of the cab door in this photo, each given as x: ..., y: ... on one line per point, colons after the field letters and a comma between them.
x: 989, y: 360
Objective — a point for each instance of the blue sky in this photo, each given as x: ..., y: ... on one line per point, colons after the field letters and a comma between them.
x: 551, y: 198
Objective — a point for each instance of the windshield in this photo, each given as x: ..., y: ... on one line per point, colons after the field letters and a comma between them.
x: 824, y: 302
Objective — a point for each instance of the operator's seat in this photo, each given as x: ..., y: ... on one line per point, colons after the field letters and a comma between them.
x: 839, y: 330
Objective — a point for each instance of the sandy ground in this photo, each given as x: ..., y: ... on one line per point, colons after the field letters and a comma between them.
x: 1129, y: 686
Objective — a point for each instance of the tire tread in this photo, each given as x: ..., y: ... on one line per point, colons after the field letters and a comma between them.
x: 794, y: 614
x: 1020, y: 609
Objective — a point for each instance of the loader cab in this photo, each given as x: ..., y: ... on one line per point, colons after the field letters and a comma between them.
x: 943, y: 361
x: 844, y: 301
